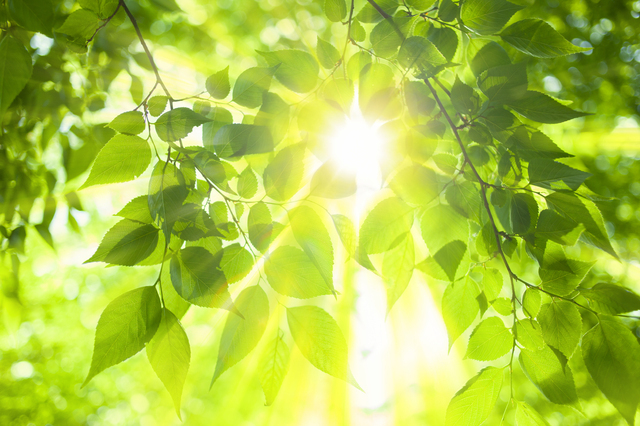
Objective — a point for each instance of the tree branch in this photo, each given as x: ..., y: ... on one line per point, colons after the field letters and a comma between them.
x: 146, y: 49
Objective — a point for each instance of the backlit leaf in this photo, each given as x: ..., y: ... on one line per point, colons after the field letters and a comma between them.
x: 542, y: 108
x: 218, y: 84
x: 328, y: 55
x: 196, y: 276
x: 127, y: 243
x: 130, y: 123
x: 487, y: 16
x: 298, y: 70
x: 537, y: 38
x: 545, y: 371
x: 388, y: 221
x: 251, y: 84
x: 15, y: 71
x: 612, y: 356
x: 489, y: 340
x: 282, y: 178
x: 274, y: 367
x: 460, y: 307
x: 611, y: 299
x: 169, y: 354
x: 241, y: 335
x: 290, y: 272
x: 321, y: 341
x: 178, y: 123
x: 125, y: 326
x: 397, y: 269
x: 472, y: 404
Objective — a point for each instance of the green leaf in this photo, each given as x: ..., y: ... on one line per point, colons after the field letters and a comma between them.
x: 542, y: 108
x: 416, y: 184
x: 529, y: 334
x: 368, y: 14
x: 561, y: 325
x: 492, y: 282
x: 486, y: 243
x: 389, y: 220
x: 274, y: 367
x: 157, y: 105
x: 251, y: 84
x: 524, y: 213
x: 218, y: 84
x: 15, y: 71
x: 298, y: 70
x: 612, y: 356
x: 489, y: 340
x: 562, y: 278
x: 247, y: 183
x: 332, y: 181
x: 196, y: 276
x: 236, y: 262
x: 122, y: 159
x: 460, y: 307
x: 503, y: 306
x: 586, y: 213
x: 358, y: 32
x: 125, y: 326
x: 472, y: 404
x: 169, y: 354
x: 274, y: 114
x: 130, y: 123
x: 397, y: 269
x: 418, y: 98
x: 531, y: 301
x: 537, y: 38
x: 127, y: 243
x: 328, y: 55
x: 282, y: 177
x: 421, y: 53
x: 260, y: 226
x: 464, y: 99
x: 465, y: 199
x: 237, y: 140
x: 81, y: 24
x: 137, y: 209
x: 33, y: 15
x: 504, y: 83
x: 547, y: 174
x: 336, y: 11
x: 320, y: 340
x: 556, y: 228
x: 487, y: 56
x: 220, y: 117
x: 448, y: 11
x: 386, y: 36
x: 450, y: 256
x: 487, y: 17
x: 178, y: 123
x: 290, y: 272
x: 526, y: 415
x: 347, y: 233
x: 313, y: 237
x: 611, y: 299
x: 545, y: 371
x: 445, y: 40
x: 440, y: 225
x: 241, y: 335
x: 534, y: 145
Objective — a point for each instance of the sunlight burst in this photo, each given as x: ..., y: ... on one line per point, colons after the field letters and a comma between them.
x: 357, y: 147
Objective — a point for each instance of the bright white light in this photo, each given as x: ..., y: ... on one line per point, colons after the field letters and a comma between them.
x: 357, y: 146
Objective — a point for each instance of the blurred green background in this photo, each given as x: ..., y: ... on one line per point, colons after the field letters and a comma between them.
x: 51, y: 303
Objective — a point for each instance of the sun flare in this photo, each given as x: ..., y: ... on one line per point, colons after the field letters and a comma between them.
x: 357, y: 146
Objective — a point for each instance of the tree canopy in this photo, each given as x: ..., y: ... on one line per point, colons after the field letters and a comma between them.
x: 255, y: 174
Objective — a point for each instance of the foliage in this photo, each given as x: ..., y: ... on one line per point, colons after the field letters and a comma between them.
x: 470, y: 174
